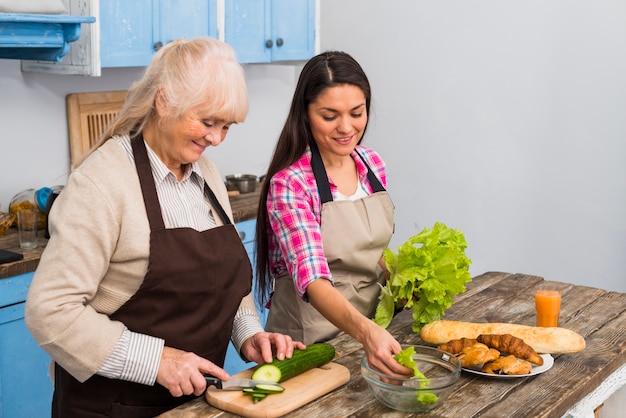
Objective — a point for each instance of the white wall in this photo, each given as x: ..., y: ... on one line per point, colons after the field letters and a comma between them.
x: 503, y: 119
x: 506, y: 120
x: 34, y: 143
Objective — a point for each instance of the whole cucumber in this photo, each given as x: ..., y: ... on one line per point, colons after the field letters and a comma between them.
x: 277, y: 371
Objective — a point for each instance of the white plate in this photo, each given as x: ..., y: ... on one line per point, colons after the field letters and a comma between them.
x: 548, y: 361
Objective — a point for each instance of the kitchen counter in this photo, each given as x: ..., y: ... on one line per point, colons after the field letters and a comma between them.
x: 11, y: 241
x: 574, y: 387
x: 244, y: 207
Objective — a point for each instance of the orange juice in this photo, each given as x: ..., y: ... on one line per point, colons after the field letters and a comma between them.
x: 548, y: 305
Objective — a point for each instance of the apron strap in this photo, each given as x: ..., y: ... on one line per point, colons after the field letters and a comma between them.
x: 148, y: 188
x: 216, y: 204
x: 371, y: 177
x: 321, y: 177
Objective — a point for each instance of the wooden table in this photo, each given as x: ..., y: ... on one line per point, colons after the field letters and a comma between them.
x: 563, y: 391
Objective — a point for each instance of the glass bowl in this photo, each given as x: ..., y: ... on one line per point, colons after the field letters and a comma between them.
x: 441, y: 368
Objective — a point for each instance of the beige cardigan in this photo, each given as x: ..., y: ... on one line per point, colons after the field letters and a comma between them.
x: 96, y: 259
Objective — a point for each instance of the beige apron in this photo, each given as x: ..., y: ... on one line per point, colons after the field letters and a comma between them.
x: 354, y: 235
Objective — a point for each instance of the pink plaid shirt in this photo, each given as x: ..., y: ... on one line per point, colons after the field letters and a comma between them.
x: 294, y: 209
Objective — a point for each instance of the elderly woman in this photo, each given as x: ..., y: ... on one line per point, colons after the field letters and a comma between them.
x: 144, y: 279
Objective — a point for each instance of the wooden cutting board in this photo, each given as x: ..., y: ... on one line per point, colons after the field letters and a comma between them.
x: 299, y: 391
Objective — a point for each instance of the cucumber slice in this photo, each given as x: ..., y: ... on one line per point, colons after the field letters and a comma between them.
x: 267, y: 372
x: 254, y: 394
x: 269, y: 389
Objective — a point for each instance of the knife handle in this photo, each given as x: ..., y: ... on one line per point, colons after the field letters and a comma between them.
x: 212, y: 381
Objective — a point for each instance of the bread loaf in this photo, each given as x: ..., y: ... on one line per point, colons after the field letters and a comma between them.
x: 553, y: 340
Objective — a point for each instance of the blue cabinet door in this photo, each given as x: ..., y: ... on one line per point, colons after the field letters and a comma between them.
x: 247, y: 28
x: 131, y: 32
x: 293, y: 29
x: 126, y: 32
x: 25, y: 385
x: 184, y: 19
x: 270, y: 30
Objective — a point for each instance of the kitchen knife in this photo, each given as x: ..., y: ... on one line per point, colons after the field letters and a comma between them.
x: 237, y: 383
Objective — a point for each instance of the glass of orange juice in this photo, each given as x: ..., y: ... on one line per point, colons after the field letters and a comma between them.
x: 548, y: 306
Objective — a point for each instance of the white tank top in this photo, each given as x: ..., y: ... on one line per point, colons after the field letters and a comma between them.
x: 358, y: 194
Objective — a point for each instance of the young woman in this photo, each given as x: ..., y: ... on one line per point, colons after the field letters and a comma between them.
x: 325, y: 216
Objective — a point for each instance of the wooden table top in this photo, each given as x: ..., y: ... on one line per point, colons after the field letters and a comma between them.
x: 596, y: 314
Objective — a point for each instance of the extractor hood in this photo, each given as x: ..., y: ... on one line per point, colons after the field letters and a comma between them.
x: 43, y: 37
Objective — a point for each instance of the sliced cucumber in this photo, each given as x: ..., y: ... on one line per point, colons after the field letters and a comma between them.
x: 256, y: 395
x: 269, y: 389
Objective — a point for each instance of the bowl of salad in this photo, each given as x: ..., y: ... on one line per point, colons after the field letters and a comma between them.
x: 436, y: 372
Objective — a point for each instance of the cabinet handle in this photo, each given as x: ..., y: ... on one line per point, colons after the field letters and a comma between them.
x: 269, y: 43
x: 242, y: 235
x: 158, y: 45
x: 279, y: 42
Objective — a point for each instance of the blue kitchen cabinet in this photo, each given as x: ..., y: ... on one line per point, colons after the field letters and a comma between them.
x: 131, y: 32
x: 25, y: 385
x: 233, y: 363
x: 263, y: 31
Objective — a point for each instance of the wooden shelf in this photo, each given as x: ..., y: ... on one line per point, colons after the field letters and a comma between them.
x: 38, y: 37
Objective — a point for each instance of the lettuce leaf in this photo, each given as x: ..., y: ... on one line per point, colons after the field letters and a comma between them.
x: 405, y: 358
x: 424, y: 278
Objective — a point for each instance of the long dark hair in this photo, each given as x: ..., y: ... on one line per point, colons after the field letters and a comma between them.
x: 328, y: 69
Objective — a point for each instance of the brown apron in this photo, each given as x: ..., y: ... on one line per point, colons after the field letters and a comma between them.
x: 354, y: 235
x: 189, y: 297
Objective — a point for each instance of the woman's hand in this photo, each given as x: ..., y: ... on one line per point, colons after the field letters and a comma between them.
x: 180, y: 372
x: 380, y: 347
x: 386, y: 273
x: 378, y: 343
x: 262, y: 347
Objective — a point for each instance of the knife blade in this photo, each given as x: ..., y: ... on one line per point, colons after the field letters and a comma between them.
x: 237, y: 383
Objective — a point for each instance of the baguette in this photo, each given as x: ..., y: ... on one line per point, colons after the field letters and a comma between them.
x: 553, y: 340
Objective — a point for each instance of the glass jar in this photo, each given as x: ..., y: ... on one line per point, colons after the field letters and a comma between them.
x: 29, y: 199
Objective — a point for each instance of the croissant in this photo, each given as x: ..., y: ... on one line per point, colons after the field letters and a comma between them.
x: 507, y: 365
x: 508, y: 344
x: 456, y: 346
x: 477, y: 354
